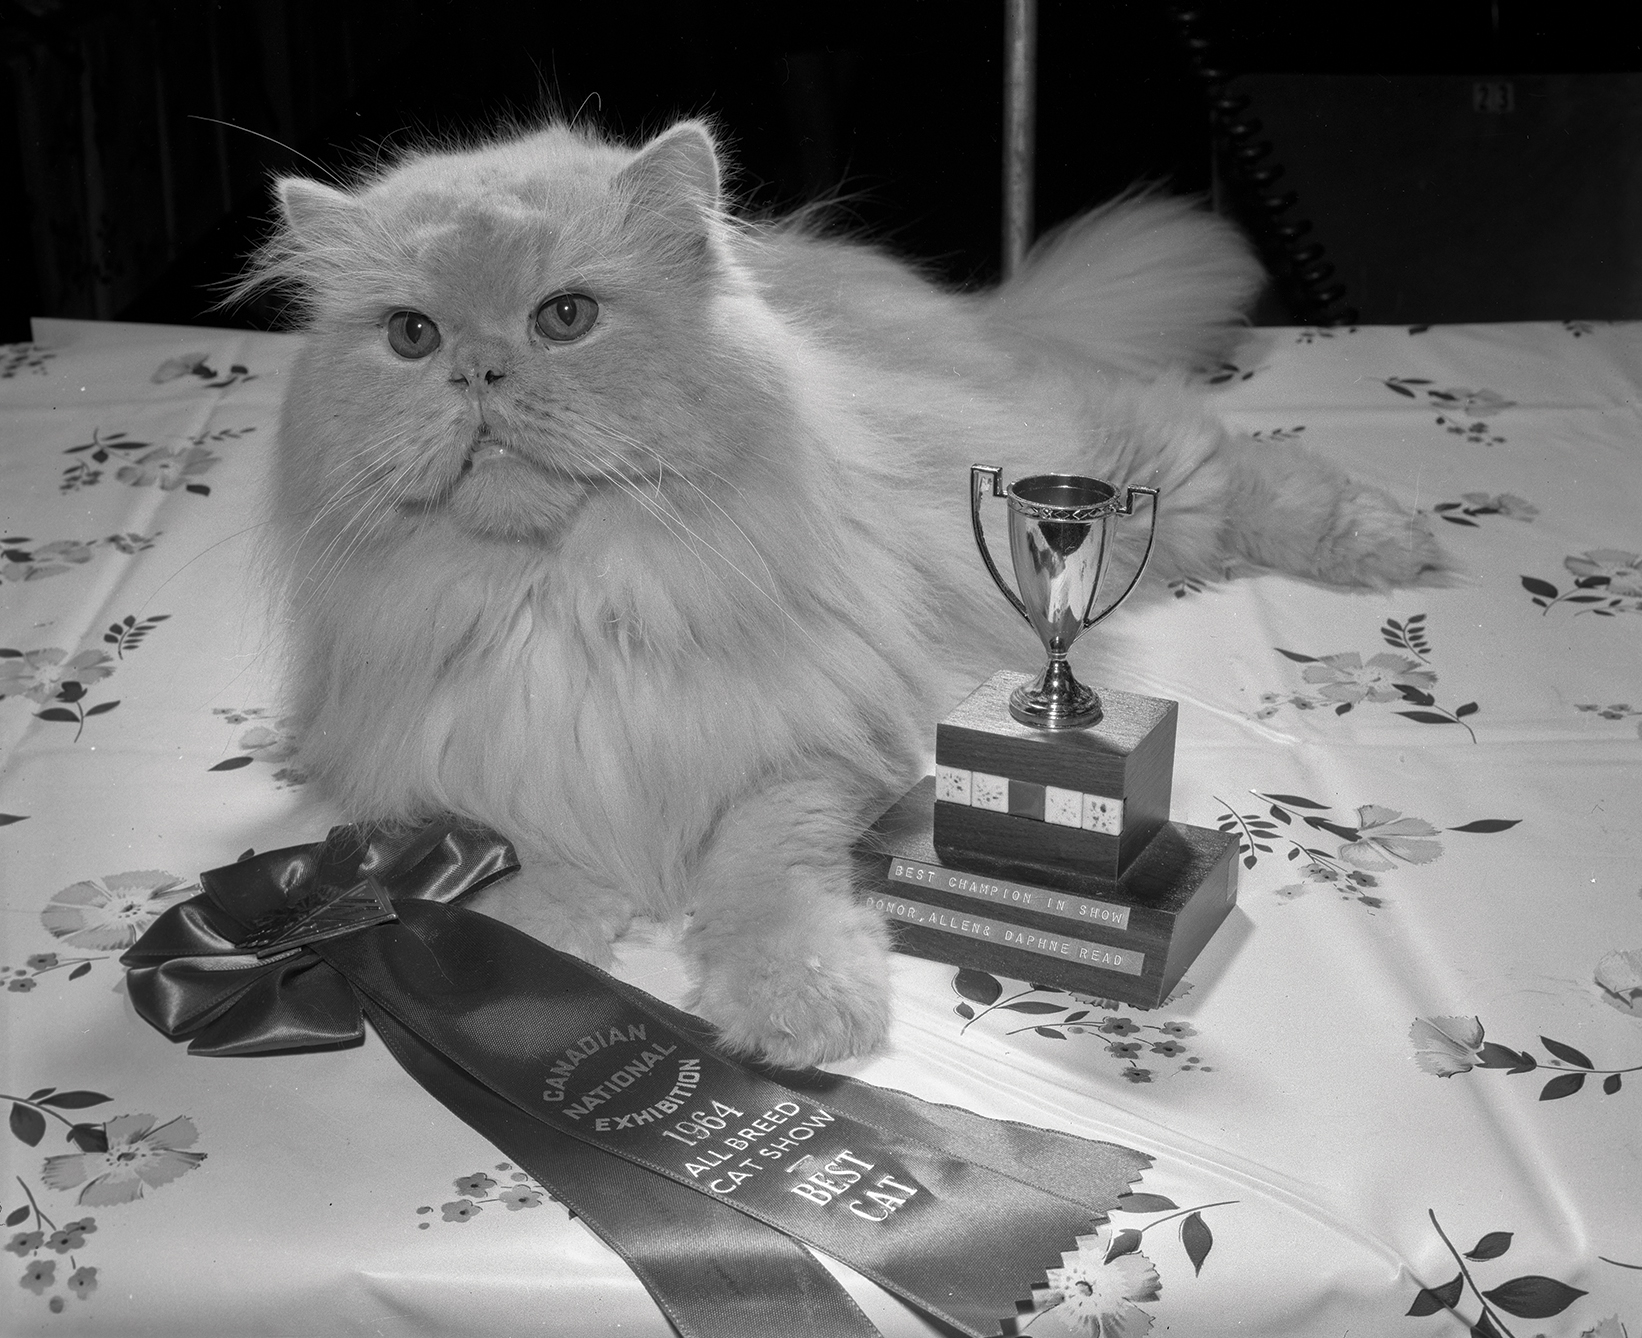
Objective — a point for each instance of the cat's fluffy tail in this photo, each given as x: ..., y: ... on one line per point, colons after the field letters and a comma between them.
x: 1144, y: 283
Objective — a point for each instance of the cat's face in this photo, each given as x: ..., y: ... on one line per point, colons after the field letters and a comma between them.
x: 501, y: 336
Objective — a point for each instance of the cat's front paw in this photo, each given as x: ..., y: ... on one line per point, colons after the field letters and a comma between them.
x: 1373, y: 541
x: 796, y: 1005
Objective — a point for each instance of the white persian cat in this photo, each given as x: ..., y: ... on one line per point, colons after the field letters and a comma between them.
x: 640, y: 532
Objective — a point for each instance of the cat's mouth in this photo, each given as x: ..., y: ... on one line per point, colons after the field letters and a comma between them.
x: 489, y: 452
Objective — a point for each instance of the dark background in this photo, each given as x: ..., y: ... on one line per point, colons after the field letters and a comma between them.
x: 120, y: 203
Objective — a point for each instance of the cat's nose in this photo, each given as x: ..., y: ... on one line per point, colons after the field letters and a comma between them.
x: 480, y: 364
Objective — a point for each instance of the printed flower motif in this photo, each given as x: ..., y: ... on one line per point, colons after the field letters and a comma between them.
x: 112, y: 912
x: 1445, y: 1046
x: 166, y: 467
x: 1178, y: 1029
x: 1137, y: 1076
x: 82, y: 1282
x: 462, y: 1210
x: 519, y: 1196
x: 476, y: 1185
x: 1345, y: 678
x: 172, y: 368
x: 1502, y: 504
x: 1169, y: 1049
x: 1463, y: 403
x: 42, y: 961
x: 1124, y: 1049
x: 47, y: 560
x: 1119, y: 1026
x: 1612, y: 1327
x: 39, y: 1275
x: 21, y: 984
x: 271, y: 743
x: 1623, y: 570
x: 40, y: 674
x: 1094, y: 1295
x: 65, y: 1240
x: 1619, y: 976
x: 139, y: 1157
x: 77, y: 551
x: 1385, y: 836
x: 25, y: 1243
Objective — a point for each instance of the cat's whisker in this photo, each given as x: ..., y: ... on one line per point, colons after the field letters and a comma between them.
x: 696, y: 541
x: 384, y: 496
x: 717, y: 506
x: 364, y: 493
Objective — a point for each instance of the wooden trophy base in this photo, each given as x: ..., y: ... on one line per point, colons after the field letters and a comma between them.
x: 1085, y: 800
x: 1128, y: 938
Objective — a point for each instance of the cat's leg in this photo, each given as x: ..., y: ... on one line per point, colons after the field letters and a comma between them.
x: 787, y: 964
x: 1227, y: 502
x: 1291, y: 510
x: 561, y: 905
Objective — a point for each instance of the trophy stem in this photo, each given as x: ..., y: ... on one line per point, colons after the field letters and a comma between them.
x: 1056, y: 700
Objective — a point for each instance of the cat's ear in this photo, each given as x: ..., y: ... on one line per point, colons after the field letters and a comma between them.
x: 316, y: 213
x: 675, y: 178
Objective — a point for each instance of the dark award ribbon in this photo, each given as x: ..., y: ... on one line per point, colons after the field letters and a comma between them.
x: 710, y: 1177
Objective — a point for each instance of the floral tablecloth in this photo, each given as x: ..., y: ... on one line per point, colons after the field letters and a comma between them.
x: 1400, y: 1093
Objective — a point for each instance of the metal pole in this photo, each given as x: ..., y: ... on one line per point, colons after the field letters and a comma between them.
x: 1020, y: 41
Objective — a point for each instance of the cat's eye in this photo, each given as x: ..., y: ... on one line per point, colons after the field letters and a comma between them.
x: 411, y: 334
x: 565, y: 317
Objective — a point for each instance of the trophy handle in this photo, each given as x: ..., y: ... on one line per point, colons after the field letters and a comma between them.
x: 1127, y: 509
x: 978, y: 474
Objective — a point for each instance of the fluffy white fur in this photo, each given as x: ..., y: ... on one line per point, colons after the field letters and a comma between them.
x: 675, y: 604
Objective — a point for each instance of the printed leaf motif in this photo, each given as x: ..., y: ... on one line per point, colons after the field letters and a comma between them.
x: 1296, y: 656
x: 1491, y: 1246
x: 1032, y: 1006
x: 1488, y: 825
x: 1492, y: 1055
x: 1534, y: 586
x: 1144, y: 1203
x: 17, y: 1215
x: 27, y: 1124
x: 1124, y: 1242
x: 75, y: 1100
x: 1198, y: 1240
x: 977, y: 986
x: 1432, y: 1299
x: 1564, y: 1085
x: 1566, y: 1052
x: 1485, y: 1327
x: 1296, y: 801
x: 1611, y: 1084
x: 963, y: 1010
x: 89, y: 1137
x: 44, y: 1091
x: 1534, y: 1297
x: 232, y: 764
x: 6, y: 819
x: 1049, y: 1033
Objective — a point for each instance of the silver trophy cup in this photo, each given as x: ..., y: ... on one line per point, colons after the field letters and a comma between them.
x: 1057, y: 538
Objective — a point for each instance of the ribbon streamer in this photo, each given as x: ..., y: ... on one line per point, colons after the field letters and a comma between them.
x: 711, y: 1178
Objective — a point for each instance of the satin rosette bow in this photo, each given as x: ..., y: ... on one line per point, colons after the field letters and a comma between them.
x: 677, y: 1156
x: 228, y: 968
